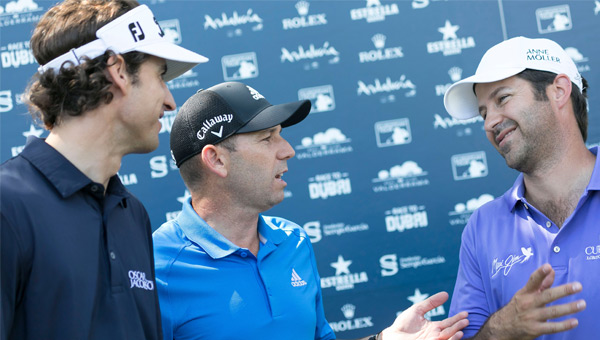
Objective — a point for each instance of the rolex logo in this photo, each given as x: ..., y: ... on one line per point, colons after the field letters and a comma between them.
x: 455, y: 73
x: 378, y: 40
x: 348, y: 310
x: 302, y: 7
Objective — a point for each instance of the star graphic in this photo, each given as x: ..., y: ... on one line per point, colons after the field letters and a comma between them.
x: 449, y: 30
x: 597, y: 9
x: 341, y: 266
x: 373, y: 3
x: 33, y: 132
x: 418, y: 297
x: 184, y: 198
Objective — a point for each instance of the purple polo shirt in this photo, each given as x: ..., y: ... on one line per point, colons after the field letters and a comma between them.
x: 507, y: 239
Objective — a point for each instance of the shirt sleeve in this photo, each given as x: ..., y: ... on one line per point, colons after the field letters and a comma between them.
x: 162, y: 265
x: 469, y: 292
x: 323, y: 331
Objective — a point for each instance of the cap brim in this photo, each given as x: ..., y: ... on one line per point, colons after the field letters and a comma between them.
x: 283, y: 114
x: 460, y: 100
x: 179, y: 60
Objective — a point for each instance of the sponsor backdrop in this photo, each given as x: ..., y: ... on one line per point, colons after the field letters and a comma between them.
x: 383, y: 180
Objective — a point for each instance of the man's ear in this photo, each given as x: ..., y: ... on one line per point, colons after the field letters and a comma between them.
x: 560, y: 91
x: 216, y: 160
x: 117, y: 73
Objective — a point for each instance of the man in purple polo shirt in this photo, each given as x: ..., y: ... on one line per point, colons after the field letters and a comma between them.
x: 529, y: 260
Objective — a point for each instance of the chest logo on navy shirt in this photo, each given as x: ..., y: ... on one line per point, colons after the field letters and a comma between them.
x: 297, y: 280
x: 504, y: 266
x: 138, y: 280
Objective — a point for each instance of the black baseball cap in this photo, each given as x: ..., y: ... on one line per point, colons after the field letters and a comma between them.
x: 212, y: 115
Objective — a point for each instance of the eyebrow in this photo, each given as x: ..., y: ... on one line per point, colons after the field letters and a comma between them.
x: 491, y: 96
x: 271, y: 129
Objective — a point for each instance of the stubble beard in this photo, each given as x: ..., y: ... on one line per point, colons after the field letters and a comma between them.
x: 538, y: 141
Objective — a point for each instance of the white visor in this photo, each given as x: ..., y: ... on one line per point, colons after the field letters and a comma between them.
x: 136, y: 30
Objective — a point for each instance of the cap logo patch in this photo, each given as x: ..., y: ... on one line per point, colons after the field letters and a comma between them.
x: 209, y: 123
x: 255, y: 93
x: 540, y: 55
x: 137, y: 36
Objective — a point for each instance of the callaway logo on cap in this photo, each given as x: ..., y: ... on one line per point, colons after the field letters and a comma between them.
x: 505, y: 60
x: 212, y: 115
x: 136, y: 30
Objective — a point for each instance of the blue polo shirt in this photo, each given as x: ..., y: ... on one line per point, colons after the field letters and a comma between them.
x: 76, y: 264
x: 507, y: 239
x: 210, y: 288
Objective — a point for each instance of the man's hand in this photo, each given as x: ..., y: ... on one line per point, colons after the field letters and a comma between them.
x: 412, y: 325
x: 525, y: 316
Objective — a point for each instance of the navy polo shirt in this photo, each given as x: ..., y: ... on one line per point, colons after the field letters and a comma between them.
x: 76, y: 263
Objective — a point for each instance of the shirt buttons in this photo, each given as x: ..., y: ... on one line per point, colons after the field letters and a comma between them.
x: 243, y: 254
x: 113, y: 256
x: 526, y: 206
x: 548, y: 224
x: 556, y: 249
x: 94, y: 188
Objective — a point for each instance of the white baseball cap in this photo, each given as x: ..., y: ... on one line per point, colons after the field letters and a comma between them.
x: 504, y: 60
x: 136, y: 30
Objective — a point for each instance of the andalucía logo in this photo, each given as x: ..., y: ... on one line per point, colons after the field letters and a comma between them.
x: 311, y: 53
x: 387, y: 86
x: 234, y: 20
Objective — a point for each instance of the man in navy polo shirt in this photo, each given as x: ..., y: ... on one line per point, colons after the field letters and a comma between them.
x: 544, y: 230
x: 76, y: 245
x: 223, y: 270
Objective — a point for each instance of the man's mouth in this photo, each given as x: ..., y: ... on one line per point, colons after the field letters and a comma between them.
x: 504, y: 134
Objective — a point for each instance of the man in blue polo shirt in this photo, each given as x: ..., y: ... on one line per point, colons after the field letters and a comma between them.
x: 223, y: 270
x: 76, y: 245
x: 543, y: 232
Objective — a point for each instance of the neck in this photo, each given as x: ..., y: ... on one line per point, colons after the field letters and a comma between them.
x: 238, y: 225
x: 556, y: 189
x: 86, y: 141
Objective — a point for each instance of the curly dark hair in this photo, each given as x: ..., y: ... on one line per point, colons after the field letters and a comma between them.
x: 74, y: 89
x: 540, y: 81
